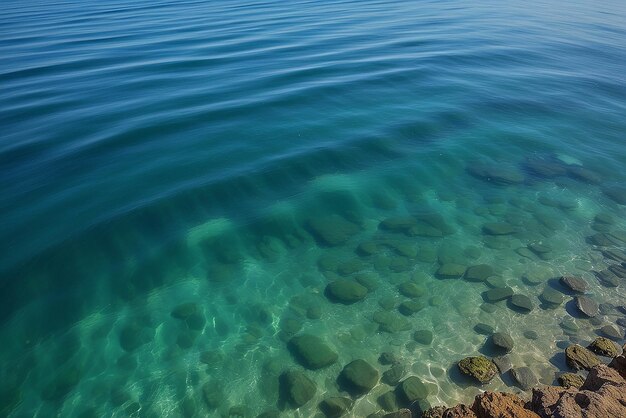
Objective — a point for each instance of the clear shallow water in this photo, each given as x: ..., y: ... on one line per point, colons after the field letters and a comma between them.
x: 155, y: 154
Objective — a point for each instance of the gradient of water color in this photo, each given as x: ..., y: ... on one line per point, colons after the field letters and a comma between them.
x: 161, y: 153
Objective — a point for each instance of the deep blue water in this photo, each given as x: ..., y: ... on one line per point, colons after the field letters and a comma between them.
x: 165, y: 152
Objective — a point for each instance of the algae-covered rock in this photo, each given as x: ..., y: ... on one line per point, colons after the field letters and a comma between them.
x: 480, y: 368
x: 578, y: 357
x: 312, y: 352
x: 412, y: 389
x: 604, y: 347
x: 571, y: 380
x: 297, y: 388
x: 336, y: 406
x: 345, y: 291
x: 359, y: 376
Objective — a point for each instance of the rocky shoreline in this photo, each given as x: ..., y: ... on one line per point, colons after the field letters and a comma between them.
x: 601, y: 394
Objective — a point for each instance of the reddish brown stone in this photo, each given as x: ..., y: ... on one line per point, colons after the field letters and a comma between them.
x: 459, y: 411
x: 607, y: 402
x: 619, y: 364
x: 501, y: 405
x: 600, y: 375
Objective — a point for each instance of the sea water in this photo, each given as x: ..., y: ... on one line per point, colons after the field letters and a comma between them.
x: 182, y: 180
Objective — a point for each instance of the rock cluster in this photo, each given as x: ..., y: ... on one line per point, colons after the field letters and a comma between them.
x: 602, y: 395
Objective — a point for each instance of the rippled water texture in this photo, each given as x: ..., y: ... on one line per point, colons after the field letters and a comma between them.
x: 181, y: 181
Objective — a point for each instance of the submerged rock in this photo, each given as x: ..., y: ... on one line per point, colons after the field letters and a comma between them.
x: 607, y: 278
x: 393, y: 376
x: 359, y: 376
x: 552, y: 297
x: 497, y: 294
x: 411, y: 290
x: 498, y: 228
x: 612, y: 332
x: 479, y: 273
x: 184, y: 310
x: 522, y: 302
x: 423, y: 336
x: 412, y: 389
x: 502, y: 341
x: 345, y: 291
x: 587, y: 306
x: 496, y: 174
x: 410, y: 307
x: 387, y: 358
x: 484, y: 329
x: 336, y: 406
x: 503, y: 363
x: 575, y: 284
x: 388, y: 401
x: 312, y: 352
x: 390, y: 322
x: 578, y: 357
x: 480, y: 368
x: 213, y: 394
x: 616, y: 193
x: 332, y: 230
x: 524, y: 377
x: 297, y: 388
x: 450, y: 271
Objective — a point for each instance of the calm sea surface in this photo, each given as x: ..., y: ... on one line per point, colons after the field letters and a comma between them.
x: 186, y: 186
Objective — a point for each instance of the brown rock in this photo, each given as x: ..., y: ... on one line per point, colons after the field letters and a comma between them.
x: 607, y: 402
x: 619, y: 364
x: 501, y: 405
x: 434, y: 412
x: 545, y: 398
x: 600, y: 375
x: 459, y: 411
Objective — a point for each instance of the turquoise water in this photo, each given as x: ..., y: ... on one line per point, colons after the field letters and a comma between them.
x: 240, y: 156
